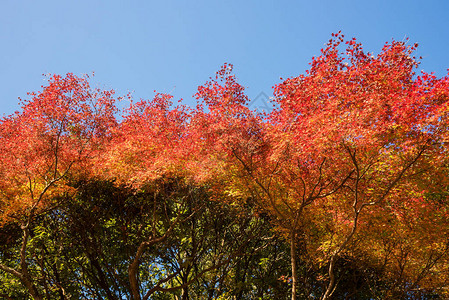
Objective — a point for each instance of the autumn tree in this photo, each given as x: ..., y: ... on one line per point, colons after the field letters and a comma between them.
x: 233, y: 147
x: 52, y: 139
x: 350, y: 138
x: 143, y: 150
x: 151, y: 151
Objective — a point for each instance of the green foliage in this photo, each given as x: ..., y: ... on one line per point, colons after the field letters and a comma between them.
x: 83, y: 247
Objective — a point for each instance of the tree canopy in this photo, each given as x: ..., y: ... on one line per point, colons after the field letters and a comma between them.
x: 341, y: 191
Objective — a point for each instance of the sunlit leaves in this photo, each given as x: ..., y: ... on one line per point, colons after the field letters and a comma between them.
x: 57, y: 133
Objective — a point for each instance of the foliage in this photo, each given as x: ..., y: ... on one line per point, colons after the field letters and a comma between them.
x: 341, y: 192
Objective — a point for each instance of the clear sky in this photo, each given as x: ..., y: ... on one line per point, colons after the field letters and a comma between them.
x: 174, y: 46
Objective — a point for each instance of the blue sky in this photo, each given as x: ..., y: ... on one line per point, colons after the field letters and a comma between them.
x: 174, y: 46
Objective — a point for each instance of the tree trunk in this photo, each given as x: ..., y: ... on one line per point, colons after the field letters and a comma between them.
x: 185, y: 293
x: 133, y: 281
x: 331, y: 285
x: 185, y: 286
x: 25, y: 276
x: 133, y: 271
x: 293, y: 264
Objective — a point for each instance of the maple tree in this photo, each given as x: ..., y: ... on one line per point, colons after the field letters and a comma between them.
x: 355, y: 130
x: 146, y: 147
x: 51, y: 140
x: 149, y: 150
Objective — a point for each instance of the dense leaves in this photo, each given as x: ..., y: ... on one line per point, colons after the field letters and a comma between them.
x: 341, y: 192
